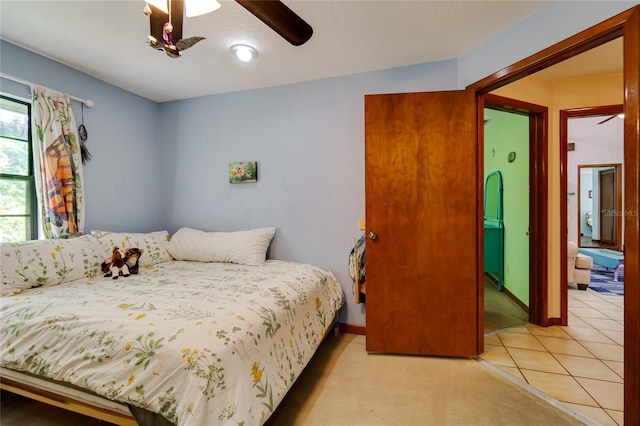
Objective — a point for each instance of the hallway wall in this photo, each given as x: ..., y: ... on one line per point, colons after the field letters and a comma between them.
x: 505, y: 133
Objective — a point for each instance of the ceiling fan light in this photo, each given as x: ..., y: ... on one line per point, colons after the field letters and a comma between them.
x: 160, y: 4
x: 200, y: 7
x: 244, y: 52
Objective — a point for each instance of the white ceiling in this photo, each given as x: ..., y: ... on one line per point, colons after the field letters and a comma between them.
x: 594, y: 130
x: 107, y: 39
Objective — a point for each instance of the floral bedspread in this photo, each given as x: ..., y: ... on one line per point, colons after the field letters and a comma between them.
x: 199, y: 343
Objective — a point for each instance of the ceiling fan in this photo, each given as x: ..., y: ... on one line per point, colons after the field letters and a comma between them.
x: 610, y: 118
x: 166, y: 25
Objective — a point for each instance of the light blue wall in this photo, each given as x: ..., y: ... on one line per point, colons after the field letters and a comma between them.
x: 308, y: 140
x: 122, y: 188
x: 165, y: 166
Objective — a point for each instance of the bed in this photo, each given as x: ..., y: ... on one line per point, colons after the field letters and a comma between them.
x: 196, y: 342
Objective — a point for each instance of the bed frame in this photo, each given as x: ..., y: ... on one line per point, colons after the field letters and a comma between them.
x: 65, y: 397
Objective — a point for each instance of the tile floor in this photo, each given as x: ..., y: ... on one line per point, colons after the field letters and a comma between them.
x: 580, y: 365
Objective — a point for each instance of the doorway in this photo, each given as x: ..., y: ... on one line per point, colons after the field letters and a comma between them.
x: 599, y: 196
x: 568, y: 182
x: 507, y: 261
x: 528, y: 236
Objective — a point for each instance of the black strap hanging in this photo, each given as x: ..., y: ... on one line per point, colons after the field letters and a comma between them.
x: 82, y: 133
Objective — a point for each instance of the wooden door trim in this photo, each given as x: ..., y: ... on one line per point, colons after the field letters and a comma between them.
x: 626, y: 23
x: 593, y: 111
x: 564, y: 225
x: 480, y: 101
x: 539, y: 218
x: 632, y: 220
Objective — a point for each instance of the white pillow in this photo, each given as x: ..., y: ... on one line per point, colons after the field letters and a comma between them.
x: 243, y: 247
x: 153, y: 244
x: 48, y: 262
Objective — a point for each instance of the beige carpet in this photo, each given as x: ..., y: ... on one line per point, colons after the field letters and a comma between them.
x: 343, y: 385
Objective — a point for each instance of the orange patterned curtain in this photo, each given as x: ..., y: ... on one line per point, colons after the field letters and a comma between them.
x: 60, y: 183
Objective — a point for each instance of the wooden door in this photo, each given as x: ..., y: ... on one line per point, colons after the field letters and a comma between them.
x: 608, y: 212
x: 422, y: 222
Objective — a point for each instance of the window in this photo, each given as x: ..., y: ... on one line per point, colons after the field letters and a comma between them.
x: 18, y: 220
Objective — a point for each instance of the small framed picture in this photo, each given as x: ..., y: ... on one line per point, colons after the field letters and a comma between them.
x: 243, y: 172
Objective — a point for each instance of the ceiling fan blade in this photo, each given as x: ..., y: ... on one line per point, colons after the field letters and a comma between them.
x: 607, y: 119
x: 281, y: 19
x: 186, y: 43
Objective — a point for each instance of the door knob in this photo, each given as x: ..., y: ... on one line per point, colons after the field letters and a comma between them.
x: 373, y: 235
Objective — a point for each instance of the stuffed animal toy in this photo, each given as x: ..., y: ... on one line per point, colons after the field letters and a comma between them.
x: 132, y: 259
x: 105, y: 267
x: 117, y: 266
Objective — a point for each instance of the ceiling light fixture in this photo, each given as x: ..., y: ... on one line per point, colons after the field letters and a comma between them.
x: 160, y: 4
x: 192, y: 7
x: 244, y: 52
x: 200, y: 7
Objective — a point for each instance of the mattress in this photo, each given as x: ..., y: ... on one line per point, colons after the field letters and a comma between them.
x: 198, y: 343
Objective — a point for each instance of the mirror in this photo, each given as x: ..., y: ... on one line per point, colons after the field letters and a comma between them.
x: 600, y: 206
x: 493, y: 196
